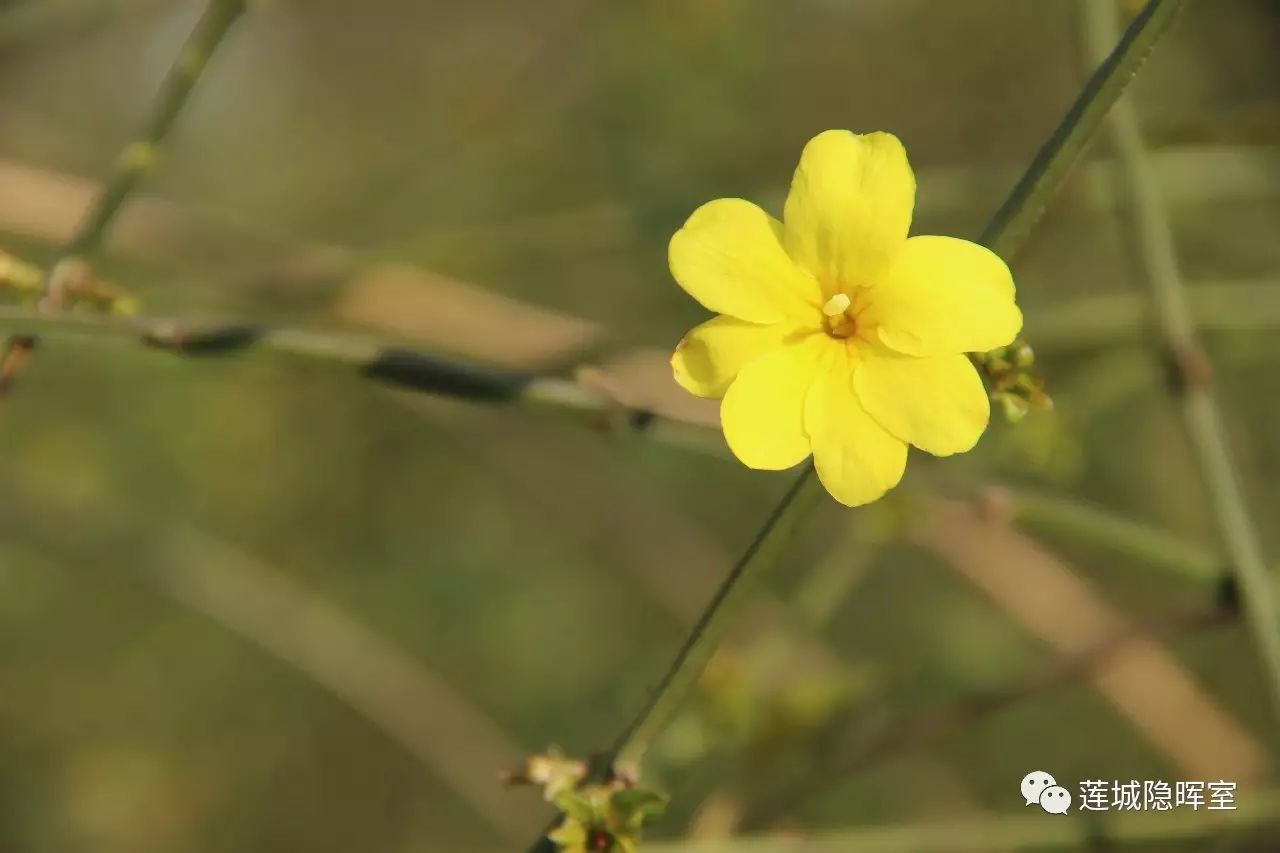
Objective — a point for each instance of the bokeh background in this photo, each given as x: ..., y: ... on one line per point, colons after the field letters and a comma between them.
x: 257, y: 604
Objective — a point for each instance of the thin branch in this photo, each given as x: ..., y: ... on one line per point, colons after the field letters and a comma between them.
x: 705, y: 636
x: 138, y: 158
x: 1094, y: 525
x: 376, y: 360
x: 1026, y: 203
x: 1013, y: 222
x: 1081, y: 323
x: 1192, y: 372
x: 428, y: 372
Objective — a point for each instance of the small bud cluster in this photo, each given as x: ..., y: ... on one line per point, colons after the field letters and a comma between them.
x: 598, y: 817
x: 1014, y: 385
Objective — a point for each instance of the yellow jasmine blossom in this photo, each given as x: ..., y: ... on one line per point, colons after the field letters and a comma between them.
x: 838, y: 335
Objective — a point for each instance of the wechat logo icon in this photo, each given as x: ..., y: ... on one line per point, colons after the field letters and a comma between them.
x: 1040, y: 788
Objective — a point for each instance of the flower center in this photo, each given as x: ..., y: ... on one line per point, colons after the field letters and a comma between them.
x: 841, y: 319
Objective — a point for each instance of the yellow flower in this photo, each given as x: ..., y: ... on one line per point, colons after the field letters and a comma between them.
x: 839, y: 335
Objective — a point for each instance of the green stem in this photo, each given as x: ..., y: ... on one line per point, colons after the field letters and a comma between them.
x: 137, y: 158
x: 630, y: 746
x: 1081, y: 522
x: 1026, y: 203
x: 375, y: 360
x: 1241, y: 306
x: 433, y: 373
x: 1192, y: 371
x: 1012, y: 223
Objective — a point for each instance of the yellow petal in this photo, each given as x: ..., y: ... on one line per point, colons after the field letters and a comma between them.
x: 857, y: 459
x: 712, y: 354
x: 763, y: 412
x: 849, y: 207
x: 937, y: 403
x: 729, y: 257
x: 945, y: 296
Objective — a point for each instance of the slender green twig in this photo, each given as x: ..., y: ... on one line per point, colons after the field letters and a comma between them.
x: 1082, y: 522
x: 435, y: 374
x: 1192, y: 371
x: 630, y: 745
x: 373, y: 359
x: 1084, y: 323
x: 1012, y: 223
x: 137, y: 158
x: 703, y: 639
x: 1025, y: 204
x: 1003, y: 235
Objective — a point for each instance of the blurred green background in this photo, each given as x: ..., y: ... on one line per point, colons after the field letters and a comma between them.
x: 260, y: 605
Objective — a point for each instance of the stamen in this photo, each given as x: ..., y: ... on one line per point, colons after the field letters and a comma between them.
x: 837, y: 305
